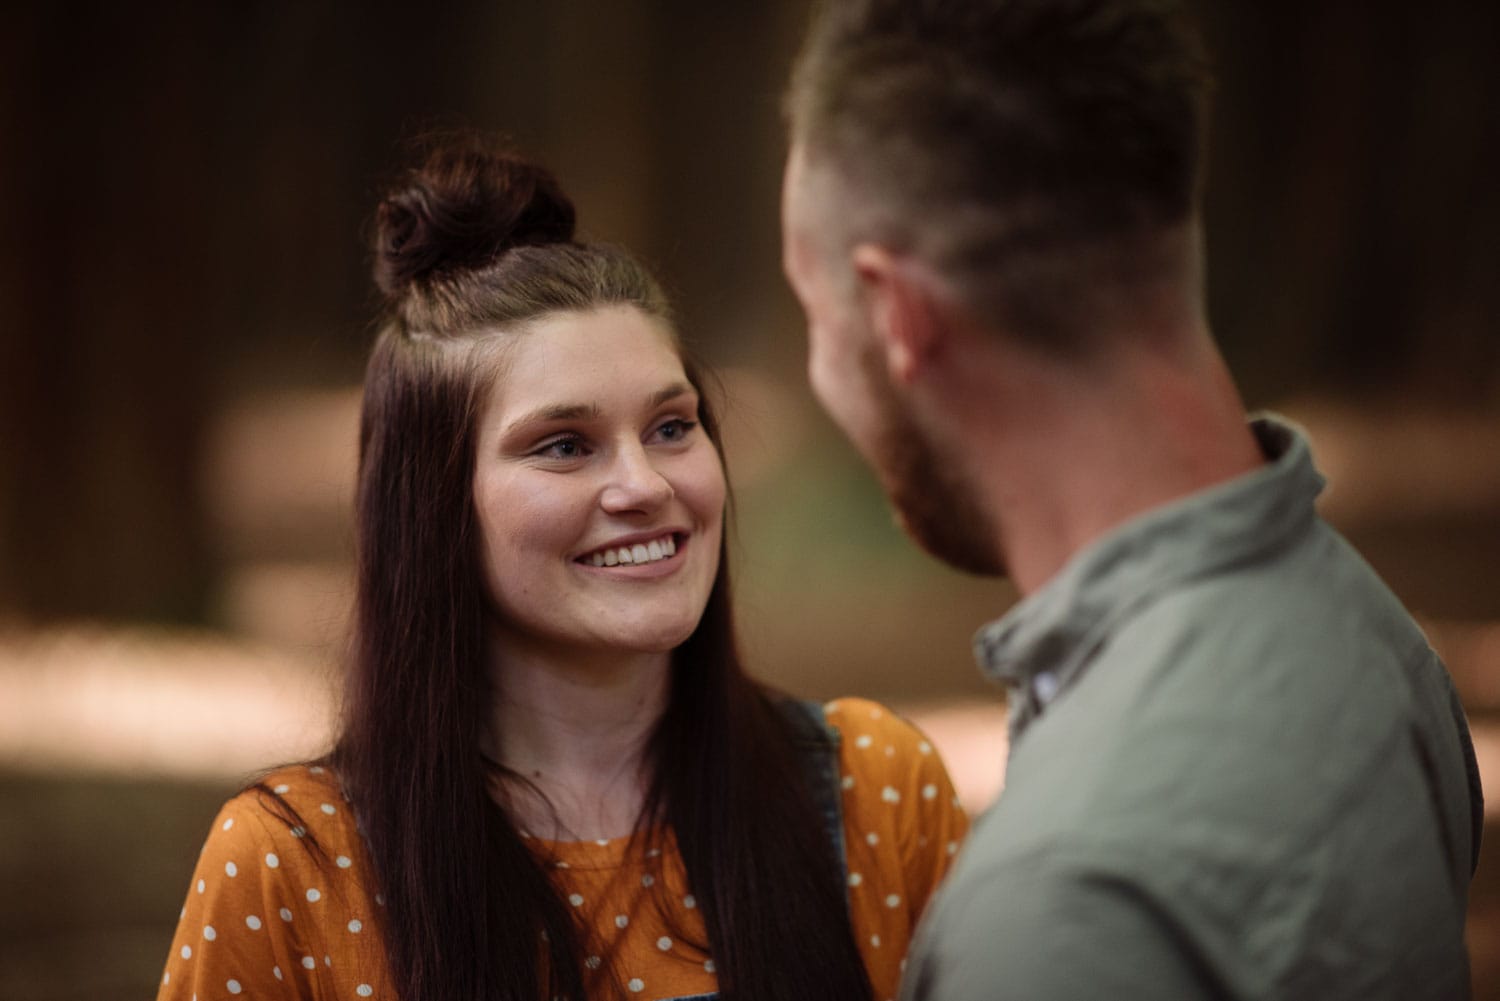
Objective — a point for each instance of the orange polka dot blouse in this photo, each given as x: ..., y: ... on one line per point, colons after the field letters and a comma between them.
x: 264, y: 920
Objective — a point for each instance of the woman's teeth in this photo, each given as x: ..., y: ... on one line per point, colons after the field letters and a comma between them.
x: 647, y: 552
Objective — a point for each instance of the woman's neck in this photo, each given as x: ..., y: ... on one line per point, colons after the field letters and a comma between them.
x: 576, y: 729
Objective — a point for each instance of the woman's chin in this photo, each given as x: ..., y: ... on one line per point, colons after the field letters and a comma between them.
x: 662, y: 637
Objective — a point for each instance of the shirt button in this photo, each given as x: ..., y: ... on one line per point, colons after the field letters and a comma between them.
x: 1044, y: 686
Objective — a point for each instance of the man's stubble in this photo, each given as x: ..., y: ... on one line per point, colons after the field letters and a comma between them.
x: 934, y: 502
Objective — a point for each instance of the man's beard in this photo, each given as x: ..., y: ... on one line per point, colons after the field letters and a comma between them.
x: 934, y: 502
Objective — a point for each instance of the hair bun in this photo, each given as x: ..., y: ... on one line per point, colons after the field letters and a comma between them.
x: 461, y: 209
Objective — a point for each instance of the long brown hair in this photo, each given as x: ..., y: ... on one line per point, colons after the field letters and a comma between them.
x: 470, y: 243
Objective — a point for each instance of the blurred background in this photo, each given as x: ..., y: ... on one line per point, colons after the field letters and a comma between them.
x: 185, y: 308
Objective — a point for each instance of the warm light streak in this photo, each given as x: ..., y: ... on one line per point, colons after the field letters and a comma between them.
x: 1401, y: 462
x: 143, y: 702
x: 196, y: 705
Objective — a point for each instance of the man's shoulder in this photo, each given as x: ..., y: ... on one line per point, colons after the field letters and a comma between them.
x: 1049, y: 921
x: 1268, y: 710
x: 1229, y: 768
x: 1099, y: 910
x: 1303, y: 631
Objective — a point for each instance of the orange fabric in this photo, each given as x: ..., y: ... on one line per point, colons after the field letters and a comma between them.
x: 263, y: 919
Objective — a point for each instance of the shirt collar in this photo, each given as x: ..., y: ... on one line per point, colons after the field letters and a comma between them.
x: 1042, y: 644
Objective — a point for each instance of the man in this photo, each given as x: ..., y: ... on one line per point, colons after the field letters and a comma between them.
x: 1237, y: 769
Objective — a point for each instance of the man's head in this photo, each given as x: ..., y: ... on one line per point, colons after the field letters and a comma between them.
x: 1023, y: 149
x: 848, y: 369
x: 1032, y: 163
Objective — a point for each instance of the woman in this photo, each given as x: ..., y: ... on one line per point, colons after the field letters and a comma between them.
x: 554, y: 778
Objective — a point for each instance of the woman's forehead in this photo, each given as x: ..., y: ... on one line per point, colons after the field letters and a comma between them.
x: 616, y: 355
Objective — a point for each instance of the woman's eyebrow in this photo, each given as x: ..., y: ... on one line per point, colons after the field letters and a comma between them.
x: 590, y: 411
x: 671, y: 392
x: 555, y: 412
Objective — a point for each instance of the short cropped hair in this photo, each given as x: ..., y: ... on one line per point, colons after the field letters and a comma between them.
x: 1030, y: 150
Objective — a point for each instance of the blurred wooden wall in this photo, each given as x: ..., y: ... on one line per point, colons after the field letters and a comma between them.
x: 184, y: 192
x: 184, y: 188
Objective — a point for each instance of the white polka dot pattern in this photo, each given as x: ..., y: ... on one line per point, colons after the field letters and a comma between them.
x: 240, y: 918
x: 896, y: 822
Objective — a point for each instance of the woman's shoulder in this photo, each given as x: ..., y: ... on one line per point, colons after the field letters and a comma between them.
x: 306, y: 788
x: 882, y: 754
x: 865, y: 725
x: 279, y: 896
x: 303, y: 788
x: 292, y: 812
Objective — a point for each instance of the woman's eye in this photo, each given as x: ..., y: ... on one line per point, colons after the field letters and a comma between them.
x: 562, y: 448
x: 675, y: 429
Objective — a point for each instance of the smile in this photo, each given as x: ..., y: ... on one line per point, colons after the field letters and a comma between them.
x: 637, y: 553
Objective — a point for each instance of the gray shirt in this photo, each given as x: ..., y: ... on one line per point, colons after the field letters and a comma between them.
x: 1237, y: 771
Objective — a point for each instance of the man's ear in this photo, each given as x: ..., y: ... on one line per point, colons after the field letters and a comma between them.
x: 900, y: 308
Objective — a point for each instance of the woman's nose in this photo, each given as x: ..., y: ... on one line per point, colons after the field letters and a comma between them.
x: 635, y: 483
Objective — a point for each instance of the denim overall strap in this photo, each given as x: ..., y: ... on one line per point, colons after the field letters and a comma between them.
x: 817, y: 746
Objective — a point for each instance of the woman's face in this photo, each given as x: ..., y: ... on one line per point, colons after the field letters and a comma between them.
x: 600, y: 499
